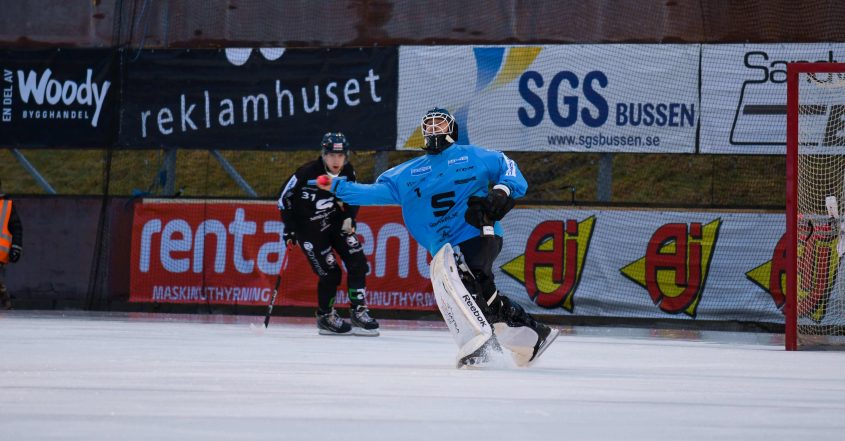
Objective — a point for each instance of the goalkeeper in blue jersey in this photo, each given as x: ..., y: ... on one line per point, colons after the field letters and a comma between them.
x: 456, y: 194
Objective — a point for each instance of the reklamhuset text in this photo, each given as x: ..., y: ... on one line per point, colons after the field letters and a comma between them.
x: 256, y: 107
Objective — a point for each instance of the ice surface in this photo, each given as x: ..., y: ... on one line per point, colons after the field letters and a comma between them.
x: 87, y: 376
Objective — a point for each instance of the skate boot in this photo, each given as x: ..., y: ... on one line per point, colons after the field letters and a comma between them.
x: 518, y: 331
x: 362, y: 323
x: 330, y: 323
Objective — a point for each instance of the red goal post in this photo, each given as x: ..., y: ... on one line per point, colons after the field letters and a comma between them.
x: 815, y: 189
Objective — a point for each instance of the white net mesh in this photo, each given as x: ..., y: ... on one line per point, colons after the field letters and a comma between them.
x: 821, y: 206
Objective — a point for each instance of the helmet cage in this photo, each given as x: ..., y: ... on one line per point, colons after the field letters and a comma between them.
x: 439, y: 130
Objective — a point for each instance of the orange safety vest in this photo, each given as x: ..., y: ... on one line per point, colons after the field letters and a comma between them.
x: 5, y: 235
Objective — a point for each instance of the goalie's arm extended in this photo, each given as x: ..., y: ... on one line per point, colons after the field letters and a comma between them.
x: 380, y: 193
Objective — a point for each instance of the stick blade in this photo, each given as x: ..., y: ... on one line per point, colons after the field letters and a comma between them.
x: 257, y: 329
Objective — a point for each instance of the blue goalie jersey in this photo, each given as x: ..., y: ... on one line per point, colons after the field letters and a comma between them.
x: 433, y: 191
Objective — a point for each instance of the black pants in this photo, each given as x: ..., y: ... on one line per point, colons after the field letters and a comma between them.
x: 318, y: 251
x: 479, y: 254
x: 5, y: 300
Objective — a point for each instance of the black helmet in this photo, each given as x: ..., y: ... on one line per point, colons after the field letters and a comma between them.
x: 437, y: 137
x: 334, y: 142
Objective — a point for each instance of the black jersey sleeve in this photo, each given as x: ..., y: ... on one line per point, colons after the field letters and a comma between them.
x: 287, y: 200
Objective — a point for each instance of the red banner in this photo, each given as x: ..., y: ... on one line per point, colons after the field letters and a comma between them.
x: 231, y: 252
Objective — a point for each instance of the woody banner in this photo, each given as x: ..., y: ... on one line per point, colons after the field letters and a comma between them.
x: 58, y: 98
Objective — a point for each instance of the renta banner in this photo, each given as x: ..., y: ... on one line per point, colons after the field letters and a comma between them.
x: 230, y: 252
x: 58, y: 98
x: 268, y: 98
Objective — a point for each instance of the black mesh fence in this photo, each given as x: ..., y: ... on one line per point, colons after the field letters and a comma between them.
x: 209, y: 128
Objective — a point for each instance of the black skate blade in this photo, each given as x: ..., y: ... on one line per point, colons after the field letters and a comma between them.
x: 482, y: 357
x: 472, y: 363
x: 327, y: 332
x: 363, y: 332
x: 549, y: 340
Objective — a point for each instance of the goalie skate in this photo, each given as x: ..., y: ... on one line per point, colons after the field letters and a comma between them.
x: 522, y: 334
x: 481, y: 356
x: 525, y: 344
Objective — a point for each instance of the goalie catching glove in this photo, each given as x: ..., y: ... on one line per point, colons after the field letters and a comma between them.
x: 487, y: 210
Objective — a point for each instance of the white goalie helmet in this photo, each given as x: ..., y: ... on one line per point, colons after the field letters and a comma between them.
x: 439, y: 130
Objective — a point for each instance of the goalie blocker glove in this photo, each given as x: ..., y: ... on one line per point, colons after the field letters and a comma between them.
x: 487, y: 210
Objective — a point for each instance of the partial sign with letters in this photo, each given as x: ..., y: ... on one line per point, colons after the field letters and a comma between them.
x: 743, y: 95
x: 647, y: 264
x: 268, y: 98
x: 58, y: 98
x: 562, y: 98
x: 230, y: 252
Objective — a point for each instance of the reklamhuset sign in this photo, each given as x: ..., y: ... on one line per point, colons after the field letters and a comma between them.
x: 58, y: 98
x: 579, y: 98
x: 271, y: 98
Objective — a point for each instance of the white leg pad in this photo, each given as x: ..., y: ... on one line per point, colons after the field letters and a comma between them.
x: 520, y: 341
x: 464, y: 318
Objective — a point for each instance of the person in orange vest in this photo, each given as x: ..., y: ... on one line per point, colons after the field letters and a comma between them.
x: 11, y: 242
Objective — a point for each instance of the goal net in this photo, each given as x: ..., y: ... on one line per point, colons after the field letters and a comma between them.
x: 815, y: 313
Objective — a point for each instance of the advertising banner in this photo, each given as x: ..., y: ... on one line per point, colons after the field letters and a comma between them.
x: 58, y: 98
x: 606, y: 263
x: 268, y: 98
x: 646, y: 264
x: 721, y: 266
x: 565, y: 98
x: 743, y: 94
x: 230, y: 252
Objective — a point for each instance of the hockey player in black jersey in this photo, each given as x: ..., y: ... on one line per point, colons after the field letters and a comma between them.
x: 321, y: 224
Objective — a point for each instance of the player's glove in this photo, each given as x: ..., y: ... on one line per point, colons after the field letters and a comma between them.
x: 348, y: 226
x: 500, y: 203
x: 477, y: 213
x: 290, y: 238
x: 487, y: 210
x: 15, y: 253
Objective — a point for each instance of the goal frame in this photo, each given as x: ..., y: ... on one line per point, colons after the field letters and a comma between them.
x: 793, y: 71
